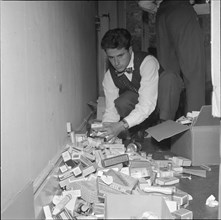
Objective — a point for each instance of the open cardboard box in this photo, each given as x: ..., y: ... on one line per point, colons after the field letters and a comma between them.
x: 198, y: 142
x: 100, y: 107
x: 119, y: 206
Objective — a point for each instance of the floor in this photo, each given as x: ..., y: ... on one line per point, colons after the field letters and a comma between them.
x: 157, y: 149
x: 199, y: 188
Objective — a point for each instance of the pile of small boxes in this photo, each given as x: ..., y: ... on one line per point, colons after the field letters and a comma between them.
x: 91, y: 169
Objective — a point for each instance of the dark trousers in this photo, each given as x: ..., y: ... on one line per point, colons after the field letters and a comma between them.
x: 180, y: 48
x: 126, y: 102
x: 169, y: 92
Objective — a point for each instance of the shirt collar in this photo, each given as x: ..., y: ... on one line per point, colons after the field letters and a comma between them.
x: 131, y: 63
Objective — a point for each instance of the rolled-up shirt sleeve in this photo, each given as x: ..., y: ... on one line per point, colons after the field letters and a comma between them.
x: 148, y: 92
x: 111, y: 93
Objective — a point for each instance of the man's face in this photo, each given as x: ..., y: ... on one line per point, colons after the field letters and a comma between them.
x: 119, y: 58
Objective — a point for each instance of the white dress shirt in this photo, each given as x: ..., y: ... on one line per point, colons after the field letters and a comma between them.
x: 148, y: 93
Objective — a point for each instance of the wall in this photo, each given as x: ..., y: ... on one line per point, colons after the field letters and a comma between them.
x: 111, y: 14
x: 134, y: 23
x: 142, y: 27
x: 108, y: 17
x: 48, y: 74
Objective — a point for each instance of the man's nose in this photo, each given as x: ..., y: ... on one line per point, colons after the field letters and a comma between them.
x: 116, y: 61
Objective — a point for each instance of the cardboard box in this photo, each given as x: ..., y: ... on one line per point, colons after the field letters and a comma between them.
x: 183, y: 214
x: 100, y: 107
x: 133, y: 206
x: 198, y: 142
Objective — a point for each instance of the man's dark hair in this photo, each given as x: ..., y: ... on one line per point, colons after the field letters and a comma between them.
x: 116, y: 38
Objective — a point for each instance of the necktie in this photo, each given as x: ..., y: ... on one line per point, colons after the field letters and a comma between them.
x: 127, y: 70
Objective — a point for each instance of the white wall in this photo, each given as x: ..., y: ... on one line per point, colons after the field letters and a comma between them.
x: 215, y: 57
x: 117, y: 18
x: 48, y: 74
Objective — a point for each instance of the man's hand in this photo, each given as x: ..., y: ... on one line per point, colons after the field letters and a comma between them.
x: 111, y: 130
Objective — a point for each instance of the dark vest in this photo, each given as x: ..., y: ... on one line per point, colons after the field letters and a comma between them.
x: 134, y: 84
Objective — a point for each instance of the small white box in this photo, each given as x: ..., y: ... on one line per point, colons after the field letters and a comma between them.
x: 100, y: 107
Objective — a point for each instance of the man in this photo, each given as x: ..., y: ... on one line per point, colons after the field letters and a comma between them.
x: 130, y: 85
x: 180, y: 48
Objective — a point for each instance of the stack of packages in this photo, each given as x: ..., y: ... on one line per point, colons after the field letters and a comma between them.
x: 96, y: 178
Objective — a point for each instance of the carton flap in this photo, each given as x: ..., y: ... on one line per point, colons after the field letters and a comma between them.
x: 119, y: 206
x: 205, y: 117
x: 166, y: 129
